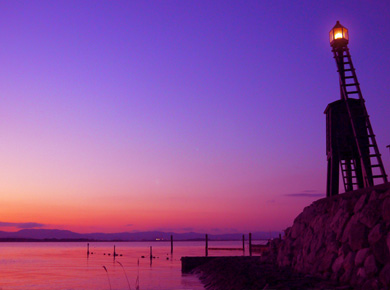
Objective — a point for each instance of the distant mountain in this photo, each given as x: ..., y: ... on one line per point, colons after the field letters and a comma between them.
x: 43, y: 234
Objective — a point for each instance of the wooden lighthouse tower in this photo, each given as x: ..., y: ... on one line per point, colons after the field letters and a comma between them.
x: 350, y: 141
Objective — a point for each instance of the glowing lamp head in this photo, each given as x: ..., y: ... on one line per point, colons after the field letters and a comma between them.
x: 338, y: 36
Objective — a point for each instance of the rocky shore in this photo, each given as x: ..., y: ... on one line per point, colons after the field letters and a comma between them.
x: 342, y: 242
x: 345, y: 238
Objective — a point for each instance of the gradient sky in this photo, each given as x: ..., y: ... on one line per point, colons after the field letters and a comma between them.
x: 199, y: 116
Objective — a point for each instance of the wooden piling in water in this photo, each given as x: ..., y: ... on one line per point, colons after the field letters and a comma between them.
x: 87, y: 249
x: 207, y: 245
x: 114, y: 252
x: 250, y: 244
x: 171, y: 244
x: 243, y: 243
x: 151, y: 253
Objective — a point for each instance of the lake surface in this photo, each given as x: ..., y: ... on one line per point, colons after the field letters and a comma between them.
x: 66, y: 265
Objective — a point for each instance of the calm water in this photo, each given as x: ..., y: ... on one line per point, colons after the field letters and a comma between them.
x: 66, y: 266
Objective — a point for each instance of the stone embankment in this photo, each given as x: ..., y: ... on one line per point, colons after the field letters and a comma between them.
x: 345, y: 238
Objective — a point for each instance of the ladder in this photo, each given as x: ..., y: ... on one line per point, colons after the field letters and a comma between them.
x: 371, y: 163
x: 348, y: 170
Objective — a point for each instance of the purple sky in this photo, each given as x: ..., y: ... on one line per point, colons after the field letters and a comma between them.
x: 202, y: 115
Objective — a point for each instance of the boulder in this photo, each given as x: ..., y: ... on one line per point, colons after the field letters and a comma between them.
x: 361, y: 255
x: 361, y: 274
x: 381, y: 251
x: 344, y: 250
x: 388, y: 241
x: 386, y: 210
x: 376, y: 233
x: 338, y: 264
x: 297, y: 230
x: 358, y: 236
x: 370, y: 266
x: 360, y: 203
x: 339, y: 221
x: 344, y: 237
x: 370, y: 214
x: 373, y: 196
x: 327, y: 262
x: 372, y: 284
x: 384, y: 276
x: 349, y: 262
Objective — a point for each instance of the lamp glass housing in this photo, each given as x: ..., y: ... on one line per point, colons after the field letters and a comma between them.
x: 338, y: 32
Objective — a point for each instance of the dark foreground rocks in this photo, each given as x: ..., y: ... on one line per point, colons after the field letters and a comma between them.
x: 345, y: 238
x: 239, y: 274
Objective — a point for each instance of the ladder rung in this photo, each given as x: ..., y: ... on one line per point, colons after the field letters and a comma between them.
x: 374, y: 155
x: 353, y: 92
x: 378, y: 176
x: 345, y: 168
x: 349, y: 77
x: 349, y: 69
x: 376, y: 165
x: 353, y: 183
x: 349, y: 85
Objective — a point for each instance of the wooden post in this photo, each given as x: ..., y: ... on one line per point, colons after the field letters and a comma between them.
x: 114, y: 252
x: 151, y: 253
x: 87, y: 249
x: 207, y: 245
x: 243, y: 243
x: 250, y: 244
x: 171, y: 244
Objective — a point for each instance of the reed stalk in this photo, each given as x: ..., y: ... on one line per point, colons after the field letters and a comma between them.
x: 128, y: 283
x: 108, y: 276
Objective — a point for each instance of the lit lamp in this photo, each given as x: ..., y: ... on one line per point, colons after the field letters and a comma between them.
x: 338, y: 36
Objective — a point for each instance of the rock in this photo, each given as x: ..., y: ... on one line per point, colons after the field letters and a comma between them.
x: 338, y: 263
x: 344, y: 250
x: 361, y: 273
x: 346, y: 277
x: 297, y: 230
x: 386, y: 210
x: 384, y: 195
x: 361, y: 255
x: 347, y: 229
x: 388, y: 241
x: 338, y: 222
x: 373, y: 196
x: 372, y: 284
x: 358, y: 236
x: 376, y: 233
x: 349, y: 262
x: 360, y: 203
x: 370, y: 266
x: 347, y: 204
x: 287, y: 232
x: 327, y: 262
x: 384, y: 276
x: 381, y: 251
x: 370, y: 214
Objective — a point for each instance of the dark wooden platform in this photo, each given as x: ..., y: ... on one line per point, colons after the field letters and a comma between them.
x: 190, y: 263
